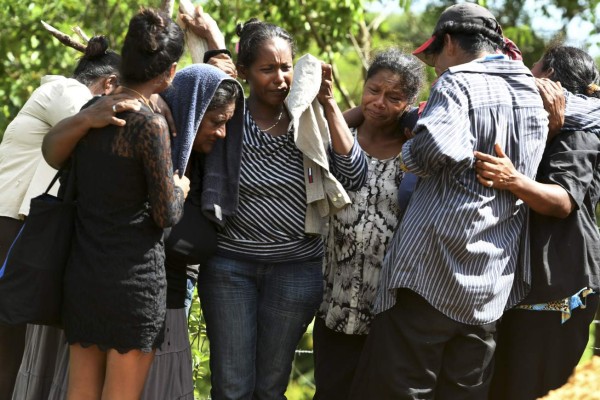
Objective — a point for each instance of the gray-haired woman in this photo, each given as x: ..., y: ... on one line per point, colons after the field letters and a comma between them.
x: 359, y: 234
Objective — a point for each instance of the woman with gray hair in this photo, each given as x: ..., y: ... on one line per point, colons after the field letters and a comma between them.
x: 359, y: 234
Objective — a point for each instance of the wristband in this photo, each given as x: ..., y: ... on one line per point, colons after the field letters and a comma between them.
x: 211, y: 53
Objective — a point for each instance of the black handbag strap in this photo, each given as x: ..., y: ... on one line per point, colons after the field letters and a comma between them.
x: 53, y: 181
x: 68, y: 167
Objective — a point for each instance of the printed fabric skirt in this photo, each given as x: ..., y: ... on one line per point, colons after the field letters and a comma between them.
x: 46, y: 355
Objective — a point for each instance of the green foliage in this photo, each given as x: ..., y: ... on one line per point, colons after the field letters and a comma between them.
x: 341, y: 33
x: 326, y: 22
x: 200, y: 352
x: 30, y: 52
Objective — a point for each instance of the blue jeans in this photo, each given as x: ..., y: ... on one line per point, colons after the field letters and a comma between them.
x: 189, y: 295
x: 255, y: 315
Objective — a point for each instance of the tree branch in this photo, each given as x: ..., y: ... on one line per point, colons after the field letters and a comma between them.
x: 364, y: 61
x: 81, y: 34
x: 64, y: 38
x: 338, y: 84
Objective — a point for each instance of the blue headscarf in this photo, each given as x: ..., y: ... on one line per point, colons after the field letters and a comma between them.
x: 188, y: 97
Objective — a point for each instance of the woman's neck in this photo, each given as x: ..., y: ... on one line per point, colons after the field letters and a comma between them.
x: 379, y: 132
x: 273, y: 120
x: 381, y: 142
x: 263, y: 111
x: 141, y: 92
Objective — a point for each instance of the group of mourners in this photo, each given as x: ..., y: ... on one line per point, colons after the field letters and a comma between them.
x: 446, y: 251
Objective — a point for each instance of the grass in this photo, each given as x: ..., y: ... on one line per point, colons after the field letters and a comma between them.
x: 589, y: 351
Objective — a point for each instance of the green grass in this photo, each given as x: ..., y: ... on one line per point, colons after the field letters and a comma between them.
x: 589, y: 351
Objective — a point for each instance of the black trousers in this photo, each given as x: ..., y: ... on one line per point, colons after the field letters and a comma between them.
x: 336, y: 359
x: 415, y: 352
x: 537, y: 353
x: 12, y: 338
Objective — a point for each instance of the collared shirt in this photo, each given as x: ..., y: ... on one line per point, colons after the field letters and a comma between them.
x: 582, y: 113
x: 459, y: 242
x: 23, y: 171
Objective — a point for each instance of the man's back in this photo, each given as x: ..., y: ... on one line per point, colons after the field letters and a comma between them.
x: 458, y: 244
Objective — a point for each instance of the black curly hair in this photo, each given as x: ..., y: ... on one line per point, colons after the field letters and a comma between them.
x: 573, y: 68
x: 408, y: 68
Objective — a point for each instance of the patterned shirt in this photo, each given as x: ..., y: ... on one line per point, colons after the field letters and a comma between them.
x: 358, y: 237
x: 459, y: 243
x: 269, y: 225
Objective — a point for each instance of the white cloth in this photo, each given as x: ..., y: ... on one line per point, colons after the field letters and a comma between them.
x: 23, y: 171
x: 325, y: 195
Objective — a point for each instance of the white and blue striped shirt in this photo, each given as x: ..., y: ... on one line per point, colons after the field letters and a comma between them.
x: 459, y: 242
x: 269, y: 224
x: 582, y: 113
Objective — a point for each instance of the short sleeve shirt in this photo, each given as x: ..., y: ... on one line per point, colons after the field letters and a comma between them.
x: 565, y: 253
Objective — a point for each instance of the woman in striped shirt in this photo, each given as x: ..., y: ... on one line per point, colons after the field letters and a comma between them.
x: 262, y: 289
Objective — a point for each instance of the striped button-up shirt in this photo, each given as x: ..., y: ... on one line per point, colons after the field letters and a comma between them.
x: 582, y: 113
x: 459, y: 242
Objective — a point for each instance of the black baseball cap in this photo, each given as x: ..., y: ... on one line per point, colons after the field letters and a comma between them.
x: 454, y: 16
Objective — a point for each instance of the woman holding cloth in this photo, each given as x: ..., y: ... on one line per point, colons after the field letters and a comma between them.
x: 359, y: 234
x: 261, y: 290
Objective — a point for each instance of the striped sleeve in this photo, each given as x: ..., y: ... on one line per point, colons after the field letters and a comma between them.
x: 350, y: 169
x: 581, y: 113
x: 443, y: 134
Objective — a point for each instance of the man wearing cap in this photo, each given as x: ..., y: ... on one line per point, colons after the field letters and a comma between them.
x: 452, y: 267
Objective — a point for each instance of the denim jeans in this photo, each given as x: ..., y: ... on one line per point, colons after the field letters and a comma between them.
x: 255, y: 315
x: 189, y: 295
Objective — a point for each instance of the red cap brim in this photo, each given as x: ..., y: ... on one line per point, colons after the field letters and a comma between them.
x: 420, y: 52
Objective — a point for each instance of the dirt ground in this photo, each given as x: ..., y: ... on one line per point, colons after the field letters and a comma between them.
x: 584, y: 384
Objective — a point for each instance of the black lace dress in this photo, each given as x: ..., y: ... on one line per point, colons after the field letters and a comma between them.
x: 115, y: 284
